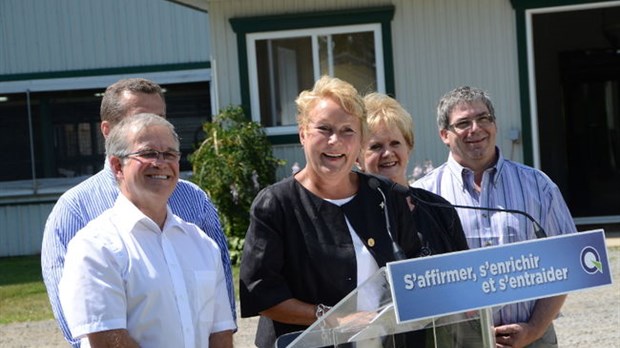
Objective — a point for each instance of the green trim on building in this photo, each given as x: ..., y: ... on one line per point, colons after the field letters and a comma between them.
x: 524, y: 89
x: 284, y: 139
x: 312, y: 19
x: 244, y: 26
x: 104, y: 72
x: 388, y: 57
x: 244, y: 74
x: 532, y: 4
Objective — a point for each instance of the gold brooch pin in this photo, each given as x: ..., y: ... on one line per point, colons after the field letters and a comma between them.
x: 371, y: 242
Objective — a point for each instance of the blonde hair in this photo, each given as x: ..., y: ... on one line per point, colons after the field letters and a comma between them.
x: 336, y: 89
x: 382, y: 108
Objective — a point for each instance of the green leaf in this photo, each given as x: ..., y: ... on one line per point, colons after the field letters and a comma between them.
x: 232, y: 164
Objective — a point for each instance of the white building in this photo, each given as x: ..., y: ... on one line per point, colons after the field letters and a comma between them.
x: 56, y: 57
x: 552, y: 68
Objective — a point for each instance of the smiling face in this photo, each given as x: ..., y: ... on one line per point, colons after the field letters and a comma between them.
x: 473, y: 148
x: 387, y: 153
x: 331, y: 140
x: 148, y: 183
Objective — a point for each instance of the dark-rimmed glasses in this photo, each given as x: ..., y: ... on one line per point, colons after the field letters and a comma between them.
x: 484, y: 121
x: 153, y: 155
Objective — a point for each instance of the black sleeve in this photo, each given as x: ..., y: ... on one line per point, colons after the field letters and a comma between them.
x: 291, y: 238
x: 439, y: 224
x: 261, y: 285
x: 407, y: 236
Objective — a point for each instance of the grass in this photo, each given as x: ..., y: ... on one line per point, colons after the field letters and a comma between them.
x: 23, y: 296
x: 22, y: 292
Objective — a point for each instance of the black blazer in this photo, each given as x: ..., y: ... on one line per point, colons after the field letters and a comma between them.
x: 440, y: 228
x: 299, y: 246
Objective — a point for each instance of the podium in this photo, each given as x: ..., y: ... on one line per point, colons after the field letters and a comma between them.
x: 457, y: 311
x: 365, y: 318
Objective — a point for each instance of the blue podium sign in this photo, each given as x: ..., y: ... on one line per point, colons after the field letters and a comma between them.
x: 478, y: 278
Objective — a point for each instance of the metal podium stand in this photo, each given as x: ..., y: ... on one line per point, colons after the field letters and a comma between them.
x: 366, y: 319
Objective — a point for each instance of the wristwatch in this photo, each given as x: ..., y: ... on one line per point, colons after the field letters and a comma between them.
x: 321, y: 309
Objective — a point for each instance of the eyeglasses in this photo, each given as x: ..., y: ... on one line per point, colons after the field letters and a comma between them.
x: 484, y: 120
x: 154, y: 155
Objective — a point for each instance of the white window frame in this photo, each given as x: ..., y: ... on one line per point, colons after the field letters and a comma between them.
x: 313, y: 33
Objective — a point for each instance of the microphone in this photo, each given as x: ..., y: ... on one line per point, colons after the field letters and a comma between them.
x: 538, y: 229
x: 398, y: 252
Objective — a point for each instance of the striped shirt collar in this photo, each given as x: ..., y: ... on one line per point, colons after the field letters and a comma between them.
x: 107, y: 169
x: 461, y: 173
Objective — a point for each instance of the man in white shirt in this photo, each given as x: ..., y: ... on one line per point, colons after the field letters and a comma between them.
x: 89, y: 199
x: 138, y: 275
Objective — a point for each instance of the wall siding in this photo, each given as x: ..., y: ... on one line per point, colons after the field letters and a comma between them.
x: 430, y: 39
x: 21, y: 228
x: 58, y: 37
x: 64, y: 35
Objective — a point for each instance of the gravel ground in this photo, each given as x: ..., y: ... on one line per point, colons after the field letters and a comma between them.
x: 591, y: 318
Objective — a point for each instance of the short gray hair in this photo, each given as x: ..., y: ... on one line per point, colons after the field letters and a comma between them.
x: 459, y: 95
x: 118, y: 142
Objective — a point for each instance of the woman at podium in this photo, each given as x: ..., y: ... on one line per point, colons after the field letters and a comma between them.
x: 317, y: 235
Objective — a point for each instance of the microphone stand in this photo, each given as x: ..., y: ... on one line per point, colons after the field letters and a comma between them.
x: 398, y: 252
x: 538, y: 229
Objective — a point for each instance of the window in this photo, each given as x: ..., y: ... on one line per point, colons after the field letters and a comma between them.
x: 281, y: 63
x: 66, y: 135
x: 77, y: 140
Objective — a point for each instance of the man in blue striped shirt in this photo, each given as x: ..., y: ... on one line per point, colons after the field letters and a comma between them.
x: 86, y: 201
x: 476, y: 174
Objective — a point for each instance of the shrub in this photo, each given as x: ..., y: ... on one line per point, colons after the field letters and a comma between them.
x: 232, y: 164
